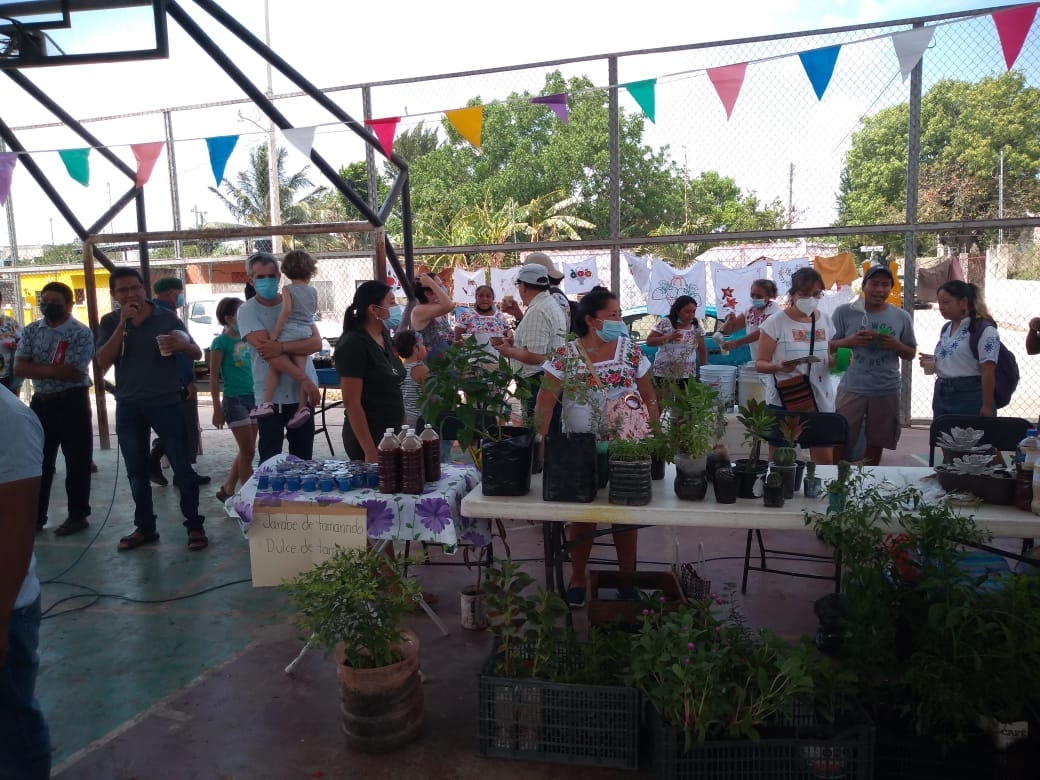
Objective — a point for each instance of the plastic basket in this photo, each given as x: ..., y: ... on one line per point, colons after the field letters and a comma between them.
x: 918, y: 759
x: 566, y: 723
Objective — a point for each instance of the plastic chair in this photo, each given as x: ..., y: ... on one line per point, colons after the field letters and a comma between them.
x: 1003, y: 433
x: 822, y: 429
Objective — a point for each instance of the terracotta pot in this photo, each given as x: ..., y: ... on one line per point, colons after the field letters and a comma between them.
x: 382, y: 709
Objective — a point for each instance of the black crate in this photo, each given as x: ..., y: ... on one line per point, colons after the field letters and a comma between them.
x: 919, y: 759
x: 792, y: 748
x: 567, y: 723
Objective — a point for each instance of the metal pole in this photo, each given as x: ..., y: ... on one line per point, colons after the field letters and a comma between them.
x: 614, y: 188
x: 913, y: 176
x: 274, y: 185
x: 175, y: 195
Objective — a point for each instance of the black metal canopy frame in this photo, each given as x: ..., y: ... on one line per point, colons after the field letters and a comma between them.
x: 377, y: 218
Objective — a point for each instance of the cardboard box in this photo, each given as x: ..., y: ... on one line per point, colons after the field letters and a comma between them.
x: 605, y: 607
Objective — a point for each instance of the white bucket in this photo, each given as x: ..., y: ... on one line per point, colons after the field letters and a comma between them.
x: 723, y: 379
x: 751, y: 384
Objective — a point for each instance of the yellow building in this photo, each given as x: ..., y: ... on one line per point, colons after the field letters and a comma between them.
x: 32, y: 282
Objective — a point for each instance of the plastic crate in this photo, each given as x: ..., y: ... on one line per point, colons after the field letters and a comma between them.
x: 918, y: 759
x: 606, y: 608
x: 792, y: 748
x: 566, y: 723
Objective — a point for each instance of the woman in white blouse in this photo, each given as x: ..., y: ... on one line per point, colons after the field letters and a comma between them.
x: 621, y: 368
x: 965, y: 377
x: 680, y: 341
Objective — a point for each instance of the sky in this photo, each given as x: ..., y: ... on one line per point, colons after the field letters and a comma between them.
x: 336, y: 44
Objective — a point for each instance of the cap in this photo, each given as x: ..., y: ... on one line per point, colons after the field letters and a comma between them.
x: 533, y: 274
x: 167, y: 283
x: 874, y: 270
x: 542, y: 259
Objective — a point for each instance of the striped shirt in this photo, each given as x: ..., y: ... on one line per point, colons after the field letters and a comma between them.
x: 410, y: 394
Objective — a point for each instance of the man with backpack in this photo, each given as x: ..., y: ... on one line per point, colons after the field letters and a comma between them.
x: 879, y: 335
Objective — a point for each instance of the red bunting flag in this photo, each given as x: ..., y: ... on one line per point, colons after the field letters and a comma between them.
x: 728, y: 79
x: 1012, y: 28
x: 385, y: 130
x: 146, y: 155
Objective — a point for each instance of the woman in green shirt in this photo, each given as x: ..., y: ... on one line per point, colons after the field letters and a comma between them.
x: 230, y: 366
x: 370, y: 374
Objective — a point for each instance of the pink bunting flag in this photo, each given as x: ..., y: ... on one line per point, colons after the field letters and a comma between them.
x: 728, y: 79
x: 385, y: 130
x: 1012, y: 28
x: 557, y: 102
x: 7, y: 163
x: 146, y: 155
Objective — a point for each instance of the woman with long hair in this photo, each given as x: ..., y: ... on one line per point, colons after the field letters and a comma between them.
x: 763, y: 305
x: 965, y: 377
x: 428, y: 314
x: 370, y: 374
x: 680, y: 341
x: 602, y: 341
x: 793, y: 344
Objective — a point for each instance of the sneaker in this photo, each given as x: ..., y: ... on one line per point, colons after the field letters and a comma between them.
x: 303, y: 414
x: 263, y: 410
x: 575, y: 597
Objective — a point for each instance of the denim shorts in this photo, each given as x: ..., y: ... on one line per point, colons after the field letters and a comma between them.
x: 236, y: 410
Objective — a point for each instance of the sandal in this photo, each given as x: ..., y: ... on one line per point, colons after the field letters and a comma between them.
x: 223, y: 495
x: 197, y: 540
x: 71, y: 526
x: 298, y: 420
x: 136, y: 539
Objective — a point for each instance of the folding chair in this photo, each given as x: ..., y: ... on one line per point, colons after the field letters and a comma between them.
x: 822, y: 429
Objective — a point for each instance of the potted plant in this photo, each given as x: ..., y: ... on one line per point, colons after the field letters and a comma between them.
x: 543, y: 695
x: 758, y: 420
x: 773, y: 490
x: 695, y: 423
x: 467, y: 385
x: 811, y: 485
x: 977, y: 475
x: 837, y: 488
x: 354, y: 603
x: 725, y: 485
x: 661, y: 449
x: 630, y: 482
x: 471, y: 598
x: 784, y: 458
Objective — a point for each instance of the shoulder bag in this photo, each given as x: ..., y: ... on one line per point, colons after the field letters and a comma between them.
x: 796, y: 393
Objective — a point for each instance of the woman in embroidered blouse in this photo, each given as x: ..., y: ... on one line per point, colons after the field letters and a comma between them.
x: 785, y: 344
x: 763, y: 305
x: 965, y: 380
x: 622, y: 368
x: 680, y: 341
x: 483, y: 323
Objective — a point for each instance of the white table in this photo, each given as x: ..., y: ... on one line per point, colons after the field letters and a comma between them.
x: 667, y: 510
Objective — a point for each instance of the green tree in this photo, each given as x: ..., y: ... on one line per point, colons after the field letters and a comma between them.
x: 964, y: 128
x: 249, y: 198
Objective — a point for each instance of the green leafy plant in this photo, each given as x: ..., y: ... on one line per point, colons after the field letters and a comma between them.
x: 359, y: 598
x: 630, y: 450
x: 696, y: 419
x: 467, y: 382
x: 713, y: 677
x: 840, y: 485
x: 791, y: 428
x: 810, y: 470
x: 758, y: 420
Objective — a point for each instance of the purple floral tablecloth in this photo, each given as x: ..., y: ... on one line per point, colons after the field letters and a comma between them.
x: 434, y: 516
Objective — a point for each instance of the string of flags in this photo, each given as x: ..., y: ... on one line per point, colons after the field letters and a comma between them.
x: 1012, y: 25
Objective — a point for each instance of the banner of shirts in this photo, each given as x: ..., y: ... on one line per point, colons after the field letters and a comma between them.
x: 667, y: 284
x: 733, y: 287
x: 503, y: 282
x: 783, y: 270
x: 579, y: 276
x: 465, y: 284
x: 639, y: 267
x: 391, y: 279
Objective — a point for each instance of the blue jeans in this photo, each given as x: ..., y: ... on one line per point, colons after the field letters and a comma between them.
x: 134, y: 421
x: 25, y: 740
x: 957, y: 395
x: 272, y: 432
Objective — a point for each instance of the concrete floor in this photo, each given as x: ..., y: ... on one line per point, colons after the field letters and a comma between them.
x: 164, y: 663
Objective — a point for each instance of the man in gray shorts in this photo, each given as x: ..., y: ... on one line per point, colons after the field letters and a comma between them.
x: 879, y: 335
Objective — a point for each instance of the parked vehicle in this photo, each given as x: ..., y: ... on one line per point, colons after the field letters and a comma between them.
x: 640, y: 324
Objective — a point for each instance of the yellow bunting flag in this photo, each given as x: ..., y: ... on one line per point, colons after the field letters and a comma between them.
x: 468, y: 121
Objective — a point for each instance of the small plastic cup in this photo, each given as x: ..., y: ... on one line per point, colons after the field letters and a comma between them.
x: 292, y: 482
x: 326, y: 483
x: 927, y: 364
x: 310, y: 482
x: 163, y: 352
x: 277, y: 483
x: 263, y: 481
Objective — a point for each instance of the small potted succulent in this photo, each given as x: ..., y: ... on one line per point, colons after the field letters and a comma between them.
x: 758, y: 420
x: 725, y: 485
x: 773, y: 491
x: 837, y: 488
x: 812, y: 483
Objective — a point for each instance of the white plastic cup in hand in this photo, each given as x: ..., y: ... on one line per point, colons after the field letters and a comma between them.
x: 928, y: 363
x: 159, y: 342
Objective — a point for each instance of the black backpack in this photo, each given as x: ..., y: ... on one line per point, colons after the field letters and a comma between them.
x: 1006, y: 375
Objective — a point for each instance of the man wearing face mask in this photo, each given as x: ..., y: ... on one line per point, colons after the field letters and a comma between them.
x: 56, y: 352
x: 169, y: 295
x: 257, y: 317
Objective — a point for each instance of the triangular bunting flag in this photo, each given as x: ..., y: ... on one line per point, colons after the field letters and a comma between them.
x: 469, y: 122
x: 728, y: 79
x: 385, y: 130
x: 220, y: 148
x: 557, y: 102
x: 302, y: 139
x: 146, y: 155
x: 7, y: 163
x: 643, y: 92
x: 76, y: 164
x: 1013, y: 27
x: 819, y: 67
x: 910, y: 46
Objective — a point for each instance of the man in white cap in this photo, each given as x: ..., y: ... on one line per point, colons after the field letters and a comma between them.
x: 555, y: 277
x: 540, y: 331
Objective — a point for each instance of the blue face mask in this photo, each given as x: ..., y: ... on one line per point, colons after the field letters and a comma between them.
x: 394, y: 319
x: 180, y: 300
x: 266, y: 288
x: 758, y: 303
x: 612, y: 329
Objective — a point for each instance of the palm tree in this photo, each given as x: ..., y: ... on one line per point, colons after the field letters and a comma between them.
x: 545, y: 218
x: 249, y: 199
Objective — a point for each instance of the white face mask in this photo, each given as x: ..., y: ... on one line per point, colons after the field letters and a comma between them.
x: 807, y: 305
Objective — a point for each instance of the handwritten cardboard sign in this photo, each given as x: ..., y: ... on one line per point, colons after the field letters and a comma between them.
x: 289, y: 538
